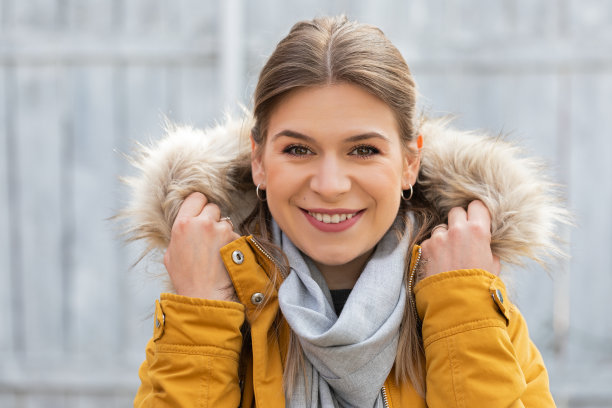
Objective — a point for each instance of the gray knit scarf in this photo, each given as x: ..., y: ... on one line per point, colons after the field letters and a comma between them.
x: 348, y: 357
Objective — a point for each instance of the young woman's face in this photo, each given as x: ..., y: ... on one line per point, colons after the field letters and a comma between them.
x: 333, y: 169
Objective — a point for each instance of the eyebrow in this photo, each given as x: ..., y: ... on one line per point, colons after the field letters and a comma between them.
x: 352, y: 139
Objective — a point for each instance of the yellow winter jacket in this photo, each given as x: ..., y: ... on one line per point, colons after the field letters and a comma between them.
x: 477, y: 348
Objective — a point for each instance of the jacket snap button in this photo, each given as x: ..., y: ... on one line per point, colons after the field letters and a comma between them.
x: 257, y: 298
x: 500, y: 296
x: 237, y: 257
x: 158, y: 323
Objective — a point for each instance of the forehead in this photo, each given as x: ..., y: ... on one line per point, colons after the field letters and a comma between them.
x: 339, y: 110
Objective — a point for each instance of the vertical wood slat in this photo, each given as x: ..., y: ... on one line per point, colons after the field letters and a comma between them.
x: 93, y: 296
x: 44, y: 400
x: 6, y: 289
x: 591, y: 195
x: 195, y: 90
x: 231, y: 52
x: 39, y: 141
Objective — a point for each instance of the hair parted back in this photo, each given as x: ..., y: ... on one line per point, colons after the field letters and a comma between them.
x: 331, y: 50
x: 326, y: 51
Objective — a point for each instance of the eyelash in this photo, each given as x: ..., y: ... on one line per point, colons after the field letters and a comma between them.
x: 291, y: 150
x: 373, y: 151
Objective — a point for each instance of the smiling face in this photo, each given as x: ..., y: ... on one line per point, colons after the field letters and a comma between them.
x: 333, y: 169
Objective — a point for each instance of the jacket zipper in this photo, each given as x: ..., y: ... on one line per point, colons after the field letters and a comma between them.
x: 384, y: 395
x: 267, y: 255
x: 411, y: 284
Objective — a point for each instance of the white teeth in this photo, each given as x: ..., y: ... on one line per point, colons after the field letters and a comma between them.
x: 331, y: 219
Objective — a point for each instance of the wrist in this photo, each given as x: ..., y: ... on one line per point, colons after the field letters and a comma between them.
x: 226, y: 293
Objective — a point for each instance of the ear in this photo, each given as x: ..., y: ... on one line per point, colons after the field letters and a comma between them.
x: 412, y: 163
x: 257, y: 167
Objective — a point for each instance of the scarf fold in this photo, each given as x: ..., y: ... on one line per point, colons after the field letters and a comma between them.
x: 348, y: 357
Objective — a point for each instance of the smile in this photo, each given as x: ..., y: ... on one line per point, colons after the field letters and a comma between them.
x: 331, y: 218
x: 337, y: 220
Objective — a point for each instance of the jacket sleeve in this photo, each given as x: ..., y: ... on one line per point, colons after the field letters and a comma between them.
x: 192, y: 359
x: 477, y: 347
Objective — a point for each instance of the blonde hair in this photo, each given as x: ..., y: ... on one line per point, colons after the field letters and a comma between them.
x: 333, y: 50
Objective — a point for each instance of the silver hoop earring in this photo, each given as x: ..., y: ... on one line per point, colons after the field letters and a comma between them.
x: 257, y: 194
x: 409, y: 196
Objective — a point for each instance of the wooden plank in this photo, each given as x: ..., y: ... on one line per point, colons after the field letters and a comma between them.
x: 46, y: 401
x: 589, y: 19
x: 231, y: 52
x: 193, y: 26
x: 8, y: 399
x: 92, y: 18
x: 143, y: 16
x: 35, y: 16
x: 195, y: 91
x: 39, y: 133
x: 93, y: 260
x: 590, y: 194
x: 6, y: 249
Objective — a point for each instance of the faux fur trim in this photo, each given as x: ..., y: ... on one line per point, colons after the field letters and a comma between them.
x: 526, y: 208
x: 212, y: 161
x: 456, y: 168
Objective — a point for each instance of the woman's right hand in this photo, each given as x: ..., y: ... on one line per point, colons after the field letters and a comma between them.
x: 192, y: 259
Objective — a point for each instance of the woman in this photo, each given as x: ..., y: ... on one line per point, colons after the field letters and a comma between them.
x: 325, y: 299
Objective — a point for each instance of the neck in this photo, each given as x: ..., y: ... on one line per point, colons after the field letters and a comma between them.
x: 344, y: 276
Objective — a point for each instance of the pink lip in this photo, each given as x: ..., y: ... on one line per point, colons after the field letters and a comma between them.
x: 339, y: 227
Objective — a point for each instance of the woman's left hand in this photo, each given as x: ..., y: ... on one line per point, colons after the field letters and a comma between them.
x: 464, y: 244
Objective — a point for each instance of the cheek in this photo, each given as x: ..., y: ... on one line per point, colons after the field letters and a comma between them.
x: 384, y: 183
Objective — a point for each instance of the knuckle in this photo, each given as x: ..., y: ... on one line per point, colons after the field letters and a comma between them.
x: 180, y: 224
x: 212, y: 207
x: 455, y: 210
x: 206, y: 222
x: 455, y: 232
x: 479, y: 230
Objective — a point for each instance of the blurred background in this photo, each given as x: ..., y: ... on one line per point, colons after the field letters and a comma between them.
x: 82, y: 80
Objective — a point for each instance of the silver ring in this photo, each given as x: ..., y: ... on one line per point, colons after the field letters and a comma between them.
x: 228, y: 219
x: 439, y: 226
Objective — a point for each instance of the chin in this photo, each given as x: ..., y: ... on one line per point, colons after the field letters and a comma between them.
x: 333, y: 259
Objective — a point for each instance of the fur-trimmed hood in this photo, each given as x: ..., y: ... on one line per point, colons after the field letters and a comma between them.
x: 456, y: 168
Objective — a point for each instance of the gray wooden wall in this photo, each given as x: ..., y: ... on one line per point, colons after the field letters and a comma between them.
x: 81, y: 80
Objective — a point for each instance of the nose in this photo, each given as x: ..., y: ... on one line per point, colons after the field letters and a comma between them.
x: 330, y: 178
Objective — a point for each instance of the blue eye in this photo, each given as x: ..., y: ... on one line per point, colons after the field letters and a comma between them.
x: 364, y: 151
x: 297, y: 150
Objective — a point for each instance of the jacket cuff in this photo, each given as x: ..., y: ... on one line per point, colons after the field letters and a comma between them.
x: 187, y: 321
x: 460, y: 300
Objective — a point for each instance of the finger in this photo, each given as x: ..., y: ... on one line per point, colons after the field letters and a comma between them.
x: 439, y: 229
x: 192, y: 206
x: 456, y: 217
x: 228, y: 220
x: 479, y: 213
x: 211, y: 211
